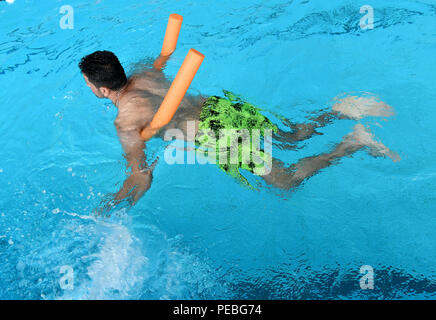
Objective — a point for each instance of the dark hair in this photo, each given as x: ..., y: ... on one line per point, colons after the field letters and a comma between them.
x: 103, y: 69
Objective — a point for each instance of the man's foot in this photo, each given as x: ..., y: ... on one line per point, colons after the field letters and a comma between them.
x: 354, y: 107
x: 362, y: 137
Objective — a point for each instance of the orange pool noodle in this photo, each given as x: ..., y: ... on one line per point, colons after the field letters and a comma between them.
x: 178, y: 89
x: 171, y: 34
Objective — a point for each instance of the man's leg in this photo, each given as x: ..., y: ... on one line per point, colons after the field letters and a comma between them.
x: 303, y: 131
x: 288, y: 178
x: 348, y: 107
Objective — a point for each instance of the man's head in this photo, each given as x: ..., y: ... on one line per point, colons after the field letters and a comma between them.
x: 103, y: 73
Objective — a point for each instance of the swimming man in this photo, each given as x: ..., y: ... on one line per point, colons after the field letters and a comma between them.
x: 138, y: 98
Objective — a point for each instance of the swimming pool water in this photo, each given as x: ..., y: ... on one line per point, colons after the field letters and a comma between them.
x: 197, y: 234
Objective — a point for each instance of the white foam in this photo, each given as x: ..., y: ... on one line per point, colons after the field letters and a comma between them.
x: 118, y: 268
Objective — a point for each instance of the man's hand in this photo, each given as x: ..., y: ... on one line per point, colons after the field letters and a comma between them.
x: 160, y: 63
x: 134, y: 187
x: 132, y: 190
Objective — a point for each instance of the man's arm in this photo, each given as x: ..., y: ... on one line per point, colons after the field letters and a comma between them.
x: 133, y: 148
x: 148, y: 132
x: 140, y: 177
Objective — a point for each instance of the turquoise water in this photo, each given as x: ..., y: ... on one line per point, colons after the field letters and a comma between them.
x: 196, y: 233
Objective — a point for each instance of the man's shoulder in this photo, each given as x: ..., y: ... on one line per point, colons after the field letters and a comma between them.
x: 133, y: 113
x: 134, y: 99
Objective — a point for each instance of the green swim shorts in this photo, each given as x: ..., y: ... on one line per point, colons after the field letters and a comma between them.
x: 231, y: 112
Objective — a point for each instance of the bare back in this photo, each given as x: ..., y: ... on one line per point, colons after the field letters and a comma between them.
x: 142, y: 98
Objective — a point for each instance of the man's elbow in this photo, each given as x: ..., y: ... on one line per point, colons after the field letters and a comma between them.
x: 148, y: 132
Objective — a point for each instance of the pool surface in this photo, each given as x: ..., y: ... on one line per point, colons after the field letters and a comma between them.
x: 197, y: 234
